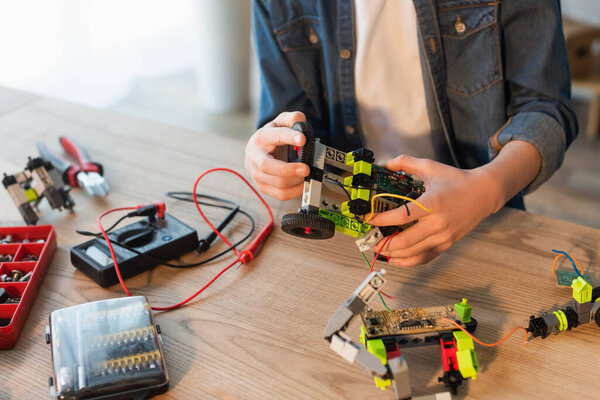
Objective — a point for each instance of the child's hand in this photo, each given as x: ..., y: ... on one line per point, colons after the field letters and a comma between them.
x: 460, y: 200
x: 274, y: 177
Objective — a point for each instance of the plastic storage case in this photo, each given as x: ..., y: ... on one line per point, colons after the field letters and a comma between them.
x: 24, y: 248
x: 108, y: 349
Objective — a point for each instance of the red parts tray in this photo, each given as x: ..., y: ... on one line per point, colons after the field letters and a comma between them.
x: 25, y: 252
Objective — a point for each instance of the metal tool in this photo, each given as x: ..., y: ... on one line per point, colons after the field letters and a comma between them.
x: 86, y: 175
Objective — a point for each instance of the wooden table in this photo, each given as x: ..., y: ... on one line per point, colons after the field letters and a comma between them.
x: 257, y: 333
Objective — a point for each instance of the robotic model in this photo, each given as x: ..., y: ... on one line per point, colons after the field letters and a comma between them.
x: 27, y: 188
x: 339, y: 189
x: 384, y: 334
x: 584, y: 309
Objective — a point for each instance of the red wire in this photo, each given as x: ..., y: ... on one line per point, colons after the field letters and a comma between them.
x: 387, y: 295
x: 238, y: 259
x: 381, y: 248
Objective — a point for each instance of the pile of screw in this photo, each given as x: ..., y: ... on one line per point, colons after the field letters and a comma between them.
x: 16, y: 276
x: 8, y: 239
x: 5, y: 298
x: 29, y: 257
x: 6, y: 257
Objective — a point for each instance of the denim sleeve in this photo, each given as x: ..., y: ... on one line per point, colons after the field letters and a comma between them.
x: 536, y: 70
x: 280, y: 89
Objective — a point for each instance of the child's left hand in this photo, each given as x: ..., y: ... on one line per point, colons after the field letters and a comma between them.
x: 459, y: 200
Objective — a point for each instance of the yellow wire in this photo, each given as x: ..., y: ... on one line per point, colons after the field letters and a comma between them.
x: 396, y: 196
x: 574, y: 259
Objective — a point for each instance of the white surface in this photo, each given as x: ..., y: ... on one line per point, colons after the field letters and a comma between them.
x: 389, y: 81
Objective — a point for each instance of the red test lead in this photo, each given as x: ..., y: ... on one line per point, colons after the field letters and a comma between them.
x: 243, y: 257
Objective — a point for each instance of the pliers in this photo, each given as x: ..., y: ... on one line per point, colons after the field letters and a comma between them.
x: 86, y: 175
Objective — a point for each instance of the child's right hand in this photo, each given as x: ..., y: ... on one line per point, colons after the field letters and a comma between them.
x: 274, y: 177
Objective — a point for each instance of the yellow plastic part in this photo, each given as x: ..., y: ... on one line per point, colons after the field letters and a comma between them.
x: 360, y: 194
x: 31, y: 195
x: 345, y: 210
x: 582, y: 291
x: 562, y: 319
x: 363, y: 335
x: 377, y: 348
x: 465, y: 355
x: 346, y: 225
x: 362, y: 167
x: 349, y: 158
x: 348, y: 180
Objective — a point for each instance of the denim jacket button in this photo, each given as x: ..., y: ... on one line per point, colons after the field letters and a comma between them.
x: 350, y: 129
x: 459, y: 26
x: 345, y: 54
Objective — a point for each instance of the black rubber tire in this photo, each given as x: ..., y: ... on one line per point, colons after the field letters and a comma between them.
x: 308, y: 226
x: 471, y: 326
x: 307, y: 152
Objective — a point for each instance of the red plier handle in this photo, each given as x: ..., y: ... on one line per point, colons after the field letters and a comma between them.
x: 82, y: 157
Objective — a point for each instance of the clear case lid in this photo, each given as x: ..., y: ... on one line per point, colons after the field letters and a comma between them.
x: 106, y: 348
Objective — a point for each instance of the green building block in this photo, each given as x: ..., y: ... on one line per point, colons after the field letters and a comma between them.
x: 464, y: 311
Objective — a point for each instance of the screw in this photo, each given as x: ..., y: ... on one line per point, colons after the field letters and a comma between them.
x: 5, y: 278
x: 26, y: 277
x: 16, y: 275
x: 25, y: 241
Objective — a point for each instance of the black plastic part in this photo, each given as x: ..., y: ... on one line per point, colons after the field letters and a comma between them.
x: 538, y: 327
x: 48, y: 340
x: 359, y: 207
x: 316, y: 174
x: 50, y: 382
x: 572, y: 317
x: 452, y: 379
x: 471, y: 325
x: 363, y: 180
x: 363, y: 155
x: 8, y: 180
x: 595, y: 293
x: 307, y: 152
x: 33, y: 163
x: 597, y: 318
x: 308, y: 226
x: 170, y: 239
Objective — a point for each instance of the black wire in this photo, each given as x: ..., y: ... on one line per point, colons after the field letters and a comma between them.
x: 357, y: 217
x: 175, y: 195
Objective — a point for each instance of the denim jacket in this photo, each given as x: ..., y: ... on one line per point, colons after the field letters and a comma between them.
x: 499, y: 70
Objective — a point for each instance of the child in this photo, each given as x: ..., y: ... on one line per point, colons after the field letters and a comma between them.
x: 481, y: 87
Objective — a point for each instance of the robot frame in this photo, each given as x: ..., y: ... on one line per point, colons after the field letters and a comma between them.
x: 340, y: 188
x: 384, y: 333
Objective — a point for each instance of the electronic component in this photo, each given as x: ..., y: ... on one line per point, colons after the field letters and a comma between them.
x: 410, y: 321
x: 28, y: 251
x: 27, y: 188
x: 340, y: 188
x: 565, y: 278
x: 163, y: 239
x: 106, y: 349
x: 384, y: 333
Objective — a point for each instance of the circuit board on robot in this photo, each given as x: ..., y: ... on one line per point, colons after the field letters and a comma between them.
x: 409, y: 321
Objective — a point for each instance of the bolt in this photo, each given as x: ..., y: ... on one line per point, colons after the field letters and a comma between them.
x: 16, y: 275
x: 26, y: 277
